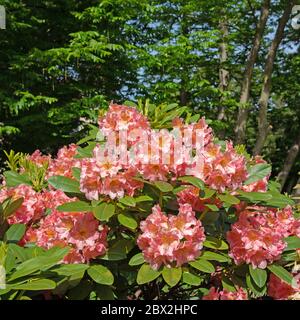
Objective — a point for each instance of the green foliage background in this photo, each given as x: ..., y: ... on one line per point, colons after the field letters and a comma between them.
x: 60, y: 61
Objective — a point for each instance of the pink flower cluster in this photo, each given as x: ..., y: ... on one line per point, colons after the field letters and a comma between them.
x: 31, y: 208
x: 223, y: 170
x: 280, y: 290
x: 123, y: 118
x: 168, y: 240
x: 191, y: 195
x: 38, y: 158
x: 107, y: 179
x: 78, y: 230
x: 162, y: 155
x: 215, y: 294
x: 34, y: 203
x: 64, y: 162
x: 258, y: 235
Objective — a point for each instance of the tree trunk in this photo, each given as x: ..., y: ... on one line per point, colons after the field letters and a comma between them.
x: 289, y: 162
x: 263, y: 126
x: 240, y: 129
x: 223, y: 72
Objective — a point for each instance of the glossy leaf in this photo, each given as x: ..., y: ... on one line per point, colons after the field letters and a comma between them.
x: 101, y: 274
x: 208, y: 255
x: 172, y: 275
x: 258, y: 172
x: 34, y: 285
x: 259, y: 276
x: 203, y: 265
x: 281, y: 273
x: 163, y: 186
x: 65, y: 184
x: 128, y: 201
x: 193, y: 181
x: 191, y: 279
x: 15, y: 232
x: 147, y: 274
x: 215, y: 243
x: 229, y: 199
x: 293, y: 242
x: 127, y: 220
x: 104, y: 211
x: 136, y: 260
x: 75, y: 206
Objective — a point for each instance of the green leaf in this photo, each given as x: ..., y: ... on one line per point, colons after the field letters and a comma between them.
x: 128, y: 201
x: 207, y: 193
x: 258, y: 275
x: 172, y: 275
x: 163, y: 186
x: 127, y: 220
x: 70, y: 269
x: 17, y: 251
x: 119, y: 250
x: 15, y: 232
x: 258, y: 292
x: 208, y: 255
x: 281, y: 273
x: 255, y: 196
x: 147, y: 274
x: 290, y: 256
x: 228, y: 284
x: 279, y: 200
x: 81, y: 291
x: 10, y: 261
x: 143, y: 198
x: 40, y: 263
x: 179, y: 189
x: 104, y: 211
x: 14, y: 179
x: 12, y: 206
x: 76, y: 173
x: 212, y: 207
x: 129, y: 103
x: 229, y: 199
x: 34, y: 285
x: 258, y: 172
x: 215, y: 243
x: 292, y: 243
x: 193, y: 180
x: 104, y: 292
x: 191, y: 279
x: 136, y: 260
x: 101, y: 275
x: 65, y: 184
x: 274, y: 186
x: 202, y: 265
x: 86, y: 152
x: 75, y: 206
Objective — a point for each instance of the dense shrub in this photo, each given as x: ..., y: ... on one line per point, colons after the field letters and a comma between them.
x: 130, y: 212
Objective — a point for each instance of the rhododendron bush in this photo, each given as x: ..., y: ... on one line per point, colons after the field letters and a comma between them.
x: 150, y: 205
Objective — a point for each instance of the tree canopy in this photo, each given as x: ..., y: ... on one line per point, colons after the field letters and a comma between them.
x: 235, y: 62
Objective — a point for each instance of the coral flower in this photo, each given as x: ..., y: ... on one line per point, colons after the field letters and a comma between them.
x: 171, y: 239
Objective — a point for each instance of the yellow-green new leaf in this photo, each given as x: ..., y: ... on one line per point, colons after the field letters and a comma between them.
x: 147, y: 274
x: 172, y: 275
x: 101, y: 275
